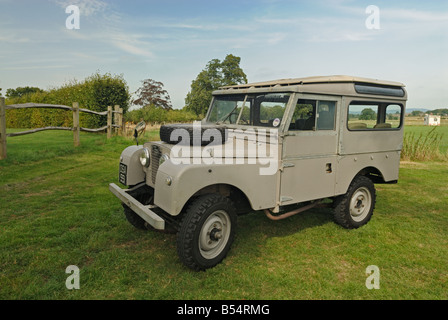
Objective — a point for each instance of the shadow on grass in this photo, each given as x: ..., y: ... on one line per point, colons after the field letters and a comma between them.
x: 257, y: 221
x: 255, y: 230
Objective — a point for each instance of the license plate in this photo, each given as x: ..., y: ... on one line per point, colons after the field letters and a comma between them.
x: 122, y: 173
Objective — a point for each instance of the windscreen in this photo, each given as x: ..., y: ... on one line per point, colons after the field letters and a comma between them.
x: 264, y: 110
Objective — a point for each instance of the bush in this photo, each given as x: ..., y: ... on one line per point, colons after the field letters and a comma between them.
x: 95, y: 93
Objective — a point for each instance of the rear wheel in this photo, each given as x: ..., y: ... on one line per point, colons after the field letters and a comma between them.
x: 355, y: 208
x: 206, y: 232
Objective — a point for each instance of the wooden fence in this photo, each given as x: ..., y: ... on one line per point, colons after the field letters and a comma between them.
x: 116, y: 127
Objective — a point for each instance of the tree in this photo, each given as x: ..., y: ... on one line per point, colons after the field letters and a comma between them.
x: 417, y: 113
x: 440, y: 111
x: 367, y: 114
x: 152, y: 93
x: 22, y: 91
x: 96, y: 93
x: 216, y: 74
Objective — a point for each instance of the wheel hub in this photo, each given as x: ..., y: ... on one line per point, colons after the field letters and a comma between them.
x: 214, y: 234
x: 360, y: 204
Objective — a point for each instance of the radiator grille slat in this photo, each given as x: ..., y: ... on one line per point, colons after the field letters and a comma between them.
x: 155, y: 157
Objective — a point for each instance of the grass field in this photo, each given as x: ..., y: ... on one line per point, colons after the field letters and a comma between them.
x: 56, y: 210
x: 424, y: 130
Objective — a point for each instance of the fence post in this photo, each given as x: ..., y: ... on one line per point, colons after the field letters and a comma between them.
x: 120, y: 122
x: 2, y: 129
x: 116, y: 118
x: 76, y: 128
x: 109, y: 122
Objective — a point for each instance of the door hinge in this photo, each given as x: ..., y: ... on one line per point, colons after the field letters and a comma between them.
x: 285, y: 199
x: 288, y: 165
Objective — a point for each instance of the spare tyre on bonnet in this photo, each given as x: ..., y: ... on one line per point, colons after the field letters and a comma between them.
x: 189, y: 134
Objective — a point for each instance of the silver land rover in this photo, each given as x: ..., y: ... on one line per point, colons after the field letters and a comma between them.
x: 278, y: 147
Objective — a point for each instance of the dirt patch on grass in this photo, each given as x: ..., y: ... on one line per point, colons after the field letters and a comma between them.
x: 413, y: 164
x: 39, y: 194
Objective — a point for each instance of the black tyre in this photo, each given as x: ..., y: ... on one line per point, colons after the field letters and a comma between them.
x: 206, y: 232
x: 135, y: 219
x: 355, y: 208
x: 185, y: 134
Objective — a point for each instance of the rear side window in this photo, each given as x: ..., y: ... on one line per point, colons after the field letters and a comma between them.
x: 364, y: 115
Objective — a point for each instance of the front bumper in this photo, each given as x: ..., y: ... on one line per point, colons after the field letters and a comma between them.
x: 143, y: 211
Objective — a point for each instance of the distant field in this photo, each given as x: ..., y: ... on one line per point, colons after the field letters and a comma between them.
x: 56, y: 211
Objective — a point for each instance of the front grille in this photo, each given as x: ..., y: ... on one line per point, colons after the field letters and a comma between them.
x: 155, y: 157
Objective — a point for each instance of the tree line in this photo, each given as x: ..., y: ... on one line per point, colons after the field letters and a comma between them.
x: 151, y: 101
x: 439, y: 112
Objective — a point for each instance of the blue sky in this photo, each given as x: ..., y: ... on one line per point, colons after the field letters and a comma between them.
x: 171, y: 41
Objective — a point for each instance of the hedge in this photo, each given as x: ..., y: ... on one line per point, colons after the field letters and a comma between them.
x: 96, y: 93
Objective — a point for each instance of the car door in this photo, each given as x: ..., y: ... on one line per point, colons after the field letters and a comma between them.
x: 310, y: 146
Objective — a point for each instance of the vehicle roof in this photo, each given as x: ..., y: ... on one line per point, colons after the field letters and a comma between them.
x: 314, y: 80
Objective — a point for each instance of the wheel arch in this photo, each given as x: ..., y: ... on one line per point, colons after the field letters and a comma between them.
x: 372, y: 173
x: 238, y: 197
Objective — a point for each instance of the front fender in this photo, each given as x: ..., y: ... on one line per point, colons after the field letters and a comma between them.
x: 131, y: 171
x: 187, y: 179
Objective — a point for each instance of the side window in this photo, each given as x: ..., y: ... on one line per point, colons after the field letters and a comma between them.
x: 393, y: 115
x: 304, y: 117
x: 325, y: 115
x: 362, y: 116
x: 313, y: 115
x: 374, y: 116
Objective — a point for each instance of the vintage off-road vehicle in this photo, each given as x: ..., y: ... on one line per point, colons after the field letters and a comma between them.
x: 279, y: 147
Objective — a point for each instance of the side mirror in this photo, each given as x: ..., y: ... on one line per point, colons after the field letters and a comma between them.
x: 139, y: 129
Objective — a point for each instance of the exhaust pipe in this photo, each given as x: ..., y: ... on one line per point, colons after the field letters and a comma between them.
x: 317, y: 204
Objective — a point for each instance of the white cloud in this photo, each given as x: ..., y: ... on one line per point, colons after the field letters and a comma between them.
x: 414, y: 15
x: 10, y: 38
x: 106, y: 27
x: 86, y: 7
x: 130, y: 44
x: 343, y: 36
x: 37, y: 67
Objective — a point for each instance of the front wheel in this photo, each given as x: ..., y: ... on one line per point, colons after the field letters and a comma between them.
x: 206, y: 232
x: 355, y: 208
x: 132, y: 217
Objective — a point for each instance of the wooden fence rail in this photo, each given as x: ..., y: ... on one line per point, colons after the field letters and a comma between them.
x: 116, y: 127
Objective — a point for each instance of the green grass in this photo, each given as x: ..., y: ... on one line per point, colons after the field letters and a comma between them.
x: 56, y: 210
x: 441, y: 132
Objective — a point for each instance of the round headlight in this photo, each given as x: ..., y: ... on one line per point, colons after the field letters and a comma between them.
x: 144, y: 157
x: 163, y: 158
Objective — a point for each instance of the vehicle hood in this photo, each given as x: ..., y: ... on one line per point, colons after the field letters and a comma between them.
x: 239, y: 143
